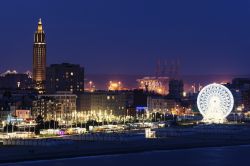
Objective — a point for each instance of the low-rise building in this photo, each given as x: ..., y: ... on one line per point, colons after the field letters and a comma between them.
x: 160, y: 104
x: 23, y: 114
x: 109, y: 102
x: 14, y: 80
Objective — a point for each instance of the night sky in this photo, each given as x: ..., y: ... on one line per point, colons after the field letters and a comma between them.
x: 129, y: 36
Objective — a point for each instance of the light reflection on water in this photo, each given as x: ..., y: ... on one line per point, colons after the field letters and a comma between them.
x: 222, y: 156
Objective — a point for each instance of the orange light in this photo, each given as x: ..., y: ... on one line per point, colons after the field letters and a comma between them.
x: 115, y: 85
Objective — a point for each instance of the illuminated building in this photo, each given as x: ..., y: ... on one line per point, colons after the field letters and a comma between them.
x: 115, y: 85
x: 111, y: 102
x: 136, y: 103
x: 44, y: 106
x: 39, y: 58
x: 215, y: 102
x: 23, y: 114
x: 154, y: 84
x: 65, y: 77
x: 15, y: 99
x: 60, y: 106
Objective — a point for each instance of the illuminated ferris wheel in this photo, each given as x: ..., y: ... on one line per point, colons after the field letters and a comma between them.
x: 215, y: 102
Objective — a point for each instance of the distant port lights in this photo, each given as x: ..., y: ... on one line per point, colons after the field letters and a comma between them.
x: 115, y: 85
x: 215, y: 102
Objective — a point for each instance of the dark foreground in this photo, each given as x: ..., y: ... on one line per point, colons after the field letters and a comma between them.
x: 10, y: 154
x: 228, y: 156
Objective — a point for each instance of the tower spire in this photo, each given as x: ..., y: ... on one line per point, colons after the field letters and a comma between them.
x: 39, y: 58
x: 40, y: 26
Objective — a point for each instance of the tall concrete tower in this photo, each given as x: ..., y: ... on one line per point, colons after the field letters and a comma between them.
x: 39, y: 58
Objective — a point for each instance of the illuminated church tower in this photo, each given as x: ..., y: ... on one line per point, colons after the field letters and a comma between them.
x: 39, y: 58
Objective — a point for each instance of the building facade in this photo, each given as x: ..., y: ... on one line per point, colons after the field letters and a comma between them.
x: 44, y: 106
x: 39, y: 59
x: 23, y: 114
x: 65, y: 77
x: 154, y: 84
x: 176, y: 89
x: 160, y: 104
x: 100, y: 102
x: 240, y: 88
x: 60, y: 107
x: 121, y: 103
x: 15, y: 81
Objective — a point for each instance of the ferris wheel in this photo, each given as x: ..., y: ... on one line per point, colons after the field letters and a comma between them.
x: 215, y: 102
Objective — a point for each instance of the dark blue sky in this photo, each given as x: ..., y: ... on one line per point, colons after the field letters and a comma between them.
x: 128, y: 36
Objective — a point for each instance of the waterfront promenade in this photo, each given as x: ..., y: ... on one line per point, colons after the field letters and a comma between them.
x: 98, y: 147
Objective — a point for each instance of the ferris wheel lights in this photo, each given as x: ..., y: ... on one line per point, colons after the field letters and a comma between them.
x: 215, y: 102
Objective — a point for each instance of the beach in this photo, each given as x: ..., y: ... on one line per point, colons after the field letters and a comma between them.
x: 95, y: 148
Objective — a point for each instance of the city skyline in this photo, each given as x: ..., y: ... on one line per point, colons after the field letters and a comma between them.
x: 130, y: 37
x: 145, y: 81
